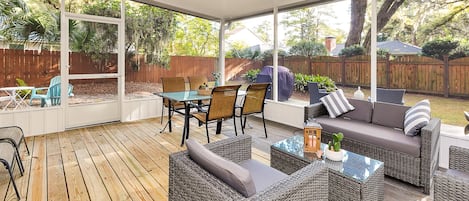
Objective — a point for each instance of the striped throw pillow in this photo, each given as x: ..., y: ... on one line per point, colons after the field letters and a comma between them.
x: 417, y: 117
x: 336, y: 103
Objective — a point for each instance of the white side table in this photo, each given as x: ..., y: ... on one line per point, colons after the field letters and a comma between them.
x: 451, y: 135
x: 17, y: 99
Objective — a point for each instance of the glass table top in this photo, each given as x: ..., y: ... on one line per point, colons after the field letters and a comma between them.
x: 353, y: 165
x: 182, y: 96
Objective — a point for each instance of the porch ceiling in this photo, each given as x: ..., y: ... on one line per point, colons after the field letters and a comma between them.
x: 231, y: 10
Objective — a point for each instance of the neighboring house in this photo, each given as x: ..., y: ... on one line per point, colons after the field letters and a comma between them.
x: 246, y: 36
x: 395, y: 47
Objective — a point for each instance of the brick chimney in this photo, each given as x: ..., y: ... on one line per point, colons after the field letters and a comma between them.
x: 330, y: 44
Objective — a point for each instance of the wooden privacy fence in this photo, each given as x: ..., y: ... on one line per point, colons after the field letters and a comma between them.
x: 37, y: 68
x: 414, y: 73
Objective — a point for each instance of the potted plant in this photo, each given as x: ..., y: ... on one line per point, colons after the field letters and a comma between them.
x: 334, y: 151
x: 204, y: 90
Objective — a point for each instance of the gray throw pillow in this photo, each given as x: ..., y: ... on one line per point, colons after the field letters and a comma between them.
x: 234, y: 175
x: 417, y: 117
x: 336, y: 103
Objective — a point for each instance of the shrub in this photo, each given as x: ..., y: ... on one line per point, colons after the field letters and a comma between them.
x: 251, y: 75
x: 324, y: 82
x: 438, y: 48
x: 268, y: 54
x: 353, y: 50
x: 308, y: 49
x: 22, y: 83
x: 461, y: 51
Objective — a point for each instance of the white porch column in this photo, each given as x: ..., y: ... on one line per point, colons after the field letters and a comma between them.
x: 121, y: 61
x: 373, y: 50
x: 275, y: 58
x: 221, y: 53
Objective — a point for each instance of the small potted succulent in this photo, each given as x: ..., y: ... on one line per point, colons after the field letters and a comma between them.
x: 334, y: 151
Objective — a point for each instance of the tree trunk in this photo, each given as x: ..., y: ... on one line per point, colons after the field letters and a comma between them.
x: 358, y: 8
x: 387, y: 10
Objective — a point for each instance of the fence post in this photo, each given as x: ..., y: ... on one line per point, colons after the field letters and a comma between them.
x: 343, y: 70
x: 388, y: 71
x: 446, y: 75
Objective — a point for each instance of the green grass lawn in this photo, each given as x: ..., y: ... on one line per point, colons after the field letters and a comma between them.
x: 449, y: 110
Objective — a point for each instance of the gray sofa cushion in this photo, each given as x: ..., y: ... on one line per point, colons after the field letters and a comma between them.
x: 373, y: 134
x: 229, y: 172
x: 363, y: 110
x: 262, y: 175
x: 389, y: 115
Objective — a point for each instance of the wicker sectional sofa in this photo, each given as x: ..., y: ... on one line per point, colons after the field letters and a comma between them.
x: 189, y: 181
x: 375, y: 130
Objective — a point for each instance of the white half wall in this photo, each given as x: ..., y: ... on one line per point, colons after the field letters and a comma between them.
x: 35, y: 121
x: 284, y: 113
x: 141, y: 109
x: 89, y: 114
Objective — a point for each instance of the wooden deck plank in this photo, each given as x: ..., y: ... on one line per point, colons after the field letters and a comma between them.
x: 128, y: 179
x: 94, y: 184
x: 111, y: 181
x: 38, y: 180
x: 150, y: 183
x: 56, y: 184
x: 76, y: 187
x: 145, y: 154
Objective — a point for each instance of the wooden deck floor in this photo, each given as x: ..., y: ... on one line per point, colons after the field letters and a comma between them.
x: 129, y: 161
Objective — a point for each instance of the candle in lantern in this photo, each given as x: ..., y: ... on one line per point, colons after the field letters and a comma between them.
x: 310, y: 140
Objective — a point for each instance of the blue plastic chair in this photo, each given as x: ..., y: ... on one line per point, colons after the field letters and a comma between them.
x: 36, y: 95
x: 54, y: 81
x: 52, y: 97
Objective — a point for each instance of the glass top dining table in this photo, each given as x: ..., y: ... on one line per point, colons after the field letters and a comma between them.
x: 189, y: 98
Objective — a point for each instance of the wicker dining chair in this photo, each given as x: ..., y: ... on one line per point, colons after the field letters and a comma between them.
x: 194, y: 84
x: 8, y: 155
x: 172, y: 84
x: 253, y: 103
x: 452, y: 185
x: 222, y: 106
x: 14, y: 135
x: 196, y: 81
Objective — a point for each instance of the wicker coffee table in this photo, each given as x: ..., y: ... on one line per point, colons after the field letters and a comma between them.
x: 357, y: 177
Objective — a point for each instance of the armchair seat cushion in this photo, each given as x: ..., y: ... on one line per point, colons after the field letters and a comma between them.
x: 229, y: 172
x: 377, y: 135
x: 263, y: 176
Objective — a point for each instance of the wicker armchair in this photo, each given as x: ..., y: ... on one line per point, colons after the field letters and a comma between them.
x: 222, y: 106
x: 453, y: 184
x: 253, y: 103
x: 188, y: 181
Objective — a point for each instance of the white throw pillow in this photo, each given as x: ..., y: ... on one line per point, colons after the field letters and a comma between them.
x: 336, y: 103
x: 417, y: 117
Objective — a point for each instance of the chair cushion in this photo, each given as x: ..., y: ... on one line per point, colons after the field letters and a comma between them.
x: 362, y: 112
x: 389, y: 115
x: 417, y: 117
x: 234, y: 175
x: 262, y: 175
x: 336, y: 103
x: 373, y: 134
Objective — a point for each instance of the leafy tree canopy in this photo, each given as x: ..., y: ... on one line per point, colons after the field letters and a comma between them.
x: 439, y: 48
x: 308, y: 49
